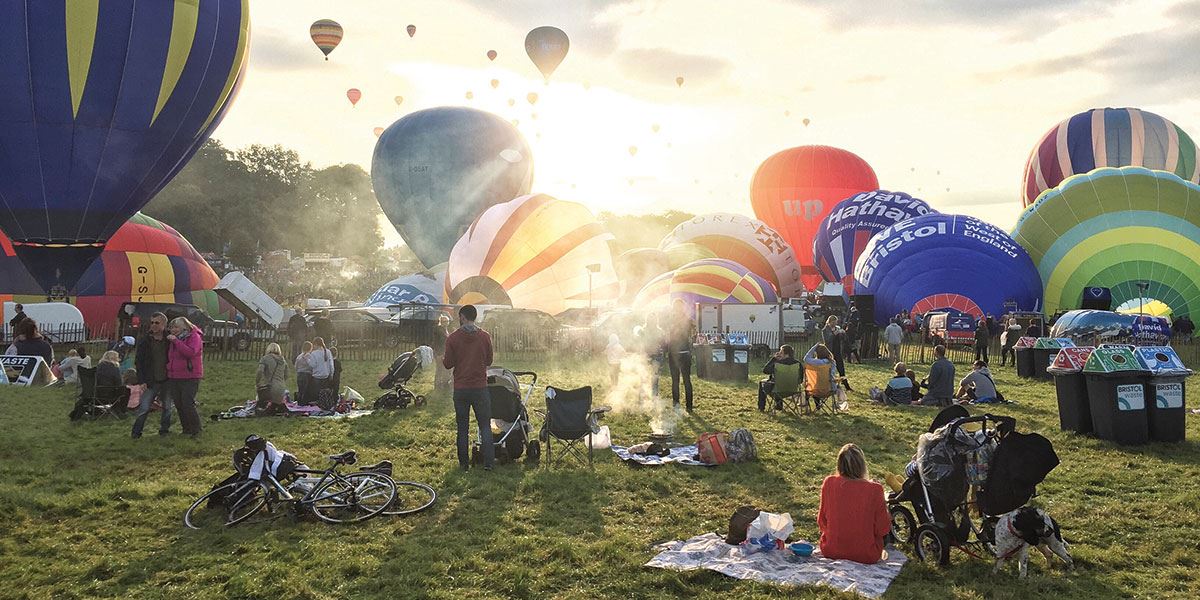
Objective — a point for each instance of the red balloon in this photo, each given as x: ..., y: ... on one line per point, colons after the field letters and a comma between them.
x: 794, y: 190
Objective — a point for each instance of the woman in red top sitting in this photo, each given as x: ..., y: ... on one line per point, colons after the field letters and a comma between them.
x: 853, y: 516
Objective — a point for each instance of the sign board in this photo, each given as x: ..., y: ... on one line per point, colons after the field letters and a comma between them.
x: 742, y: 357
x: 27, y: 370
x: 1168, y: 395
x: 1112, y: 359
x: 1025, y: 342
x: 1070, y: 360
x: 1131, y: 397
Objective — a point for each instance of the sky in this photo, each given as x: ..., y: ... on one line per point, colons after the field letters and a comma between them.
x: 945, y: 100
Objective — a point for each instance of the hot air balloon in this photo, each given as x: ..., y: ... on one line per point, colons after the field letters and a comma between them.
x: 101, y: 109
x: 532, y: 98
x: 748, y: 242
x: 946, y: 262
x: 378, y: 131
x: 851, y: 224
x: 547, y: 47
x: 399, y: 100
x: 718, y: 280
x: 679, y: 82
x: 534, y: 252
x: 435, y: 170
x: 1108, y: 137
x: 412, y: 30
x: 495, y: 83
x: 354, y: 95
x: 144, y: 261
x: 425, y: 287
x: 638, y: 266
x: 654, y: 128
x: 806, y: 122
x: 326, y: 34
x: 470, y: 95
x: 516, y: 122
x: 491, y: 54
x: 793, y: 191
x: 512, y: 101
x: 633, y: 150
x: 1116, y: 228
x: 787, y: 113
x: 680, y: 254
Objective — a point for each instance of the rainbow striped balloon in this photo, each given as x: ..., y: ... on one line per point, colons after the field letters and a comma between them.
x: 719, y: 280
x: 1108, y: 137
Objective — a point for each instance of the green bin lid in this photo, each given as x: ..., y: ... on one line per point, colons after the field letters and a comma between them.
x: 1046, y: 343
x: 1113, y: 359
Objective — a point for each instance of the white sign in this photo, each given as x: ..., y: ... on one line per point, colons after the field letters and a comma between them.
x: 1168, y: 395
x: 1131, y: 397
x: 27, y: 370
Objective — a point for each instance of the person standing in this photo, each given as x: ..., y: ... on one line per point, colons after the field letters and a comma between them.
x: 270, y: 380
x: 323, y: 327
x: 17, y: 318
x: 893, y: 335
x: 185, y: 369
x: 1008, y: 341
x: 940, y: 381
x: 297, y: 331
x: 983, y: 336
x: 441, y: 375
x: 151, y: 360
x: 469, y: 354
x: 304, y: 375
x: 679, y: 348
x: 320, y: 360
x: 650, y: 343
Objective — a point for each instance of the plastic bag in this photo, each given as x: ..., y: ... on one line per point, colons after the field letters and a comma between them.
x: 769, y: 531
x: 601, y: 439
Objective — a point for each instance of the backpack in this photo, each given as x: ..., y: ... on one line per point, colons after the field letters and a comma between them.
x: 741, y: 446
x: 327, y: 399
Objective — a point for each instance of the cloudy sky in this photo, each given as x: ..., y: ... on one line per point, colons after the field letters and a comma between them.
x: 944, y: 99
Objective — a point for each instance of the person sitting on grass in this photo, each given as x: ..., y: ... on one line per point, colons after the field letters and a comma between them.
x: 916, y: 385
x: 940, y: 382
x: 785, y: 356
x: 69, y: 366
x: 899, y: 388
x: 853, y: 516
x: 977, y: 386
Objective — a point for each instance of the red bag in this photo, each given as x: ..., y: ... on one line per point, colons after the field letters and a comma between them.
x: 713, y: 447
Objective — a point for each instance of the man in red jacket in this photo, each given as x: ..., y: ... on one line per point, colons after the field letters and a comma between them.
x: 469, y: 354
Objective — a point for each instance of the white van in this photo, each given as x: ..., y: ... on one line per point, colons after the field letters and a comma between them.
x: 60, y: 322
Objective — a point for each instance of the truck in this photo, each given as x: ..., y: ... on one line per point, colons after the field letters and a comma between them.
x: 766, y: 325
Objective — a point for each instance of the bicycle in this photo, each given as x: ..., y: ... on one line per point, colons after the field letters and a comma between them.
x: 329, y: 495
x: 411, y: 497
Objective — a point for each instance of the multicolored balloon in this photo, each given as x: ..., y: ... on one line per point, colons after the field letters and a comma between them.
x: 103, y: 103
x: 793, y: 191
x: 354, y: 95
x: 938, y: 262
x: 1108, y: 137
x: 436, y: 170
x: 534, y: 252
x: 1116, y: 228
x: 654, y: 295
x: 547, y: 47
x: 844, y: 233
x: 748, y: 242
x: 718, y: 280
x: 326, y: 34
x: 425, y: 287
x: 638, y: 266
x: 683, y: 253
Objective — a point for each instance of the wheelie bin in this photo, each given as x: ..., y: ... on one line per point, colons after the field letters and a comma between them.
x: 1166, y: 392
x: 1023, y: 356
x: 1044, y: 351
x: 1116, y: 388
x: 1074, y: 413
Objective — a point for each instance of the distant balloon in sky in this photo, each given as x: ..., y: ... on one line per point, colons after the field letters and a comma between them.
x: 512, y: 101
x: 587, y: 85
x: 633, y: 150
x: 470, y: 95
x: 547, y: 47
x: 378, y: 131
x: 103, y: 103
x: 806, y: 122
x: 354, y: 95
x: 399, y: 100
x: 793, y: 190
x: 437, y: 169
x: 844, y: 234
x: 495, y: 83
x: 531, y: 97
x: 326, y: 34
x: 679, y: 82
x: 516, y: 122
x: 787, y: 113
x: 491, y: 54
x: 412, y: 30
x: 654, y: 128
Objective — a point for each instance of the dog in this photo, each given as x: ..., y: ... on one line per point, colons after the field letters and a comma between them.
x: 1027, y: 527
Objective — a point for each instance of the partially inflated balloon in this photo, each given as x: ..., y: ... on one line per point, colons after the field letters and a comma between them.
x: 326, y: 34
x: 683, y: 253
x: 435, y: 170
x: 491, y: 54
x: 638, y: 266
x: 354, y: 95
x: 939, y: 262
x: 399, y: 100
x: 412, y: 30
x: 793, y: 191
x: 714, y: 280
x: 103, y: 103
x: 420, y: 288
x: 654, y: 294
x: 534, y: 252
x: 851, y: 224
x: 547, y: 47
x: 748, y: 242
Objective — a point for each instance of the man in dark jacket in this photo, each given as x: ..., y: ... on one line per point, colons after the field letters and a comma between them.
x: 941, y: 380
x: 469, y: 354
x: 323, y: 328
x: 150, y: 360
x: 679, y: 353
x: 297, y: 332
x: 785, y: 356
x: 16, y: 320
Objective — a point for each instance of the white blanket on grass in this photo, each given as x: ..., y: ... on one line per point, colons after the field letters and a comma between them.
x: 709, y: 551
x: 681, y: 455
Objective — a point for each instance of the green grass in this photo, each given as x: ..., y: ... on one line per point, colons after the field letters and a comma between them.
x: 87, y: 512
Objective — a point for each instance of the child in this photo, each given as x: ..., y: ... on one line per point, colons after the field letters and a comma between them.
x: 130, y: 379
x: 614, y: 352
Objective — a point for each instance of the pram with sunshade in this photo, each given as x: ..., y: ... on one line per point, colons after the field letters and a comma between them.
x: 397, y: 377
x: 511, y: 428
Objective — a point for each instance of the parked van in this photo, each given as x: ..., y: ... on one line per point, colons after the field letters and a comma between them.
x: 60, y: 322
x: 951, y: 328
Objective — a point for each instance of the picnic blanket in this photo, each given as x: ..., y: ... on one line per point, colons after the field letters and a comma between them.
x: 709, y: 551
x: 354, y: 414
x: 681, y: 455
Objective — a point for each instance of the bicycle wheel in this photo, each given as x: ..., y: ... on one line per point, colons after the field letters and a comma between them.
x: 227, y: 505
x: 354, y: 497
x: 411, y: 498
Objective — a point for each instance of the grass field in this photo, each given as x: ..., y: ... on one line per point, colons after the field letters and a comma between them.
x: 87, y: 512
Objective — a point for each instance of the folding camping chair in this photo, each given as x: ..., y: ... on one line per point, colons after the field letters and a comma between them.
x: 788, y: 392
x: 569, y: 418
x: 818, y: 390
x: 97, y: 401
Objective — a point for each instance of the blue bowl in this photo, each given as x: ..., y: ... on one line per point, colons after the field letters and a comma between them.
x: 801, y: 549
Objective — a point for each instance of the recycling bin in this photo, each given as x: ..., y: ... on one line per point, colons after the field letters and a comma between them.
x: 1116, y: 389
x: 1070, y: 385
x: 1044, y: 351
x: 1023, y: 356
x: 1165, y: 392
x: 723, y: 362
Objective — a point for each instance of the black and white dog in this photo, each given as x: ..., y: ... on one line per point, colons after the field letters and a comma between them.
x: 1027, y: 527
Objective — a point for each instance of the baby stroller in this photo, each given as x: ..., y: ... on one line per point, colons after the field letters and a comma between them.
x: 510, y: 414
x: 967, y: 466
x: 402, y: 370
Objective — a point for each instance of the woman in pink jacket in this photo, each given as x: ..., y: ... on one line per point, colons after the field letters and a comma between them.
x: 185, y: 369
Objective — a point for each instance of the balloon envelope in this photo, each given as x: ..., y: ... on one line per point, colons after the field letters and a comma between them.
x: 326, y: 34
x: 491, y: 54
x: 547, y: 47
x: 1108, y: 137
x: 103, y: 104
x: 679, y: 254
x: 850, y: 225
x: 354, y: 95
x: 638, y: 266
x: 793, y: 190
x: 718, y: 280
x: 938, y: 262
x: 423, y: 288
x: 748, y: 242
x: 412, y: 30
x: 534, y: 252
x: 1116, y: 228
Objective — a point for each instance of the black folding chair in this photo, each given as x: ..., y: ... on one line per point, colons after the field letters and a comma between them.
x: 97, y: 401
x: 569, y: 418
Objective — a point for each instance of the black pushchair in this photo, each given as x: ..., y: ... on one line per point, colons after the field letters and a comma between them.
x: 394, y: 381
x: 967, y: 466
x: 510, y: 416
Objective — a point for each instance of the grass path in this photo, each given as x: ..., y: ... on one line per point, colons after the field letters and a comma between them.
x: 87, y: 512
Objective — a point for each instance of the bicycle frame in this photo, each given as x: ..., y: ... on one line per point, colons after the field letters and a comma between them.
x: 309, y: 498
